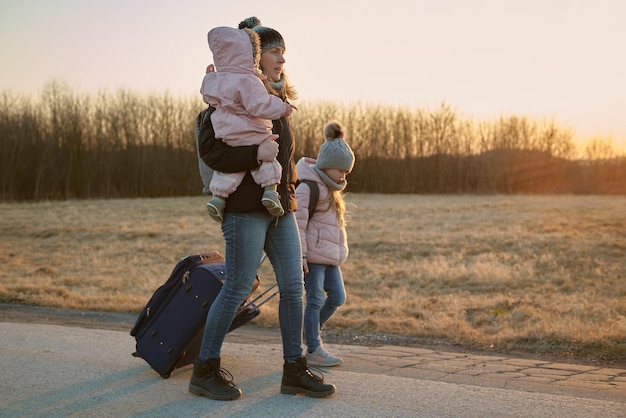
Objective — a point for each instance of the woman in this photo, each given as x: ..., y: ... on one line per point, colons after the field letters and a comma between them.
x: 249, y: 230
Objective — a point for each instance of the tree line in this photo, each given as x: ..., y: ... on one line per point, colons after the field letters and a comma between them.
x: 64, y: 145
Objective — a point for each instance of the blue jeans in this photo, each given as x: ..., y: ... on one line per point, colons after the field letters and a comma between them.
x: 246, y: 236
x: 325, y: 292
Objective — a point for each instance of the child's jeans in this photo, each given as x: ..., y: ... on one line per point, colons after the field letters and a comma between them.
x: 325, y: 292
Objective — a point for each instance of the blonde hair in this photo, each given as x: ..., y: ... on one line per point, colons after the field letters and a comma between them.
x: 338, y: 203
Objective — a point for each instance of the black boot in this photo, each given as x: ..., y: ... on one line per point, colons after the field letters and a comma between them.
x: 211, y: 381
x: 297, y: 378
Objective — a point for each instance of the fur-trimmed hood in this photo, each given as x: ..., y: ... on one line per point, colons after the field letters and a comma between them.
x: 235, y: 50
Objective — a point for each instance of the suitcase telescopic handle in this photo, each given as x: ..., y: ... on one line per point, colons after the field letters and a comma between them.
x: 265, y: 292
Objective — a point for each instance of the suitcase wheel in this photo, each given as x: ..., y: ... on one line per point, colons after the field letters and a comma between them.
x: 166, y: 375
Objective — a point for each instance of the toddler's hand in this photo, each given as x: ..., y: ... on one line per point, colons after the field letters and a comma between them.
x: 210, y: 68
x: 290, y: 109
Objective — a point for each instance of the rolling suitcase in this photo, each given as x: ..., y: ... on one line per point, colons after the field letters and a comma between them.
x: 169, y: 330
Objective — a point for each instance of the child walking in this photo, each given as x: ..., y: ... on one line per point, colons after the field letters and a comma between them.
x: 244, y: 113
x: 323, y: 237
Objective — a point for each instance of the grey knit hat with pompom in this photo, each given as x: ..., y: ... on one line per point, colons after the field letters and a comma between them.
x: 335, y: 152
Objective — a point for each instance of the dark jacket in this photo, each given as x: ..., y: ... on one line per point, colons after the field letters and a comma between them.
x: 221, y: 157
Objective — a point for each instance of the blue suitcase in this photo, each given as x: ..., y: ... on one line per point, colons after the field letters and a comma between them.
x: 169, y: 330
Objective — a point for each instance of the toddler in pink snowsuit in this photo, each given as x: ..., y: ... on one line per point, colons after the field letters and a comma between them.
x: 244, y: 113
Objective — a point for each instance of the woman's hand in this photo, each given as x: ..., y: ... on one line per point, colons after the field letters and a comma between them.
x: 305, y: 266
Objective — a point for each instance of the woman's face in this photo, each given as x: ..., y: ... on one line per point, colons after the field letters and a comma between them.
x: 272, y: 61
x: 336, y: 175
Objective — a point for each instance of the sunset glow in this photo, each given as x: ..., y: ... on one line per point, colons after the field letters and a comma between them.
x: 486, y: 58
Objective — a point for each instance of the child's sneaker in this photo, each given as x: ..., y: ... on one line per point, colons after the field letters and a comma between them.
x: 271, y: 201
x: 216, y: 206
x: 321, y: 357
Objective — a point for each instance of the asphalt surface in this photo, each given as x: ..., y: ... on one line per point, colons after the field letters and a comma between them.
x: 81, y: 369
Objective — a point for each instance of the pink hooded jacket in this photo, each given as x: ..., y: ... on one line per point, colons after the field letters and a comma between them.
x: 244, y: 109
x: 323, y: 238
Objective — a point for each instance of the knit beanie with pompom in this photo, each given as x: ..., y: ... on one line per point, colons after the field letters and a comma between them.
x: 335, y: 152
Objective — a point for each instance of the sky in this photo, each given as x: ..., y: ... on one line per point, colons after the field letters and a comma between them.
x: 561, y: 60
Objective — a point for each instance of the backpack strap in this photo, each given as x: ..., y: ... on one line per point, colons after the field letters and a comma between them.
x: 203, y: 122
x: 315, y: 195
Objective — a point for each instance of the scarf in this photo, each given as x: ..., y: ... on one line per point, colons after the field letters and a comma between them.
x: 328, y: 181
x: 282, y: 88
x: 278, y: 86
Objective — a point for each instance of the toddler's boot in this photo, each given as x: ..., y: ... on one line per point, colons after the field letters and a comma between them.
x: 216, y: 206
x: 297, y: 378
x: 209, y: 380
x: 271, y: 201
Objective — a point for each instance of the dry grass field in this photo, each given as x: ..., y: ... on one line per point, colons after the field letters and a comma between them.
x: 544, y: 274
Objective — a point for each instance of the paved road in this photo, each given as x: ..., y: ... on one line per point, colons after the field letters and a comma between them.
x: 52, y: 370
